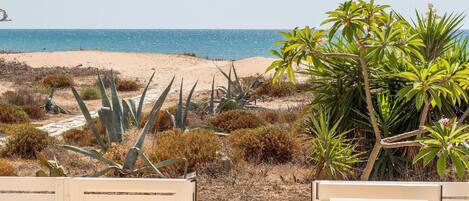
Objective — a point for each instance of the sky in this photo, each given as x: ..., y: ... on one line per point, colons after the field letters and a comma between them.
x: 190, y: 14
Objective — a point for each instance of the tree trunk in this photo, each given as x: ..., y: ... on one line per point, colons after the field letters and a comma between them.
x: 369, y: 103
x: 423, y: 116
x: 463, y: 117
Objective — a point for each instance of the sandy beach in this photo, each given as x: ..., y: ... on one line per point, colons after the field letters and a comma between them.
x: 140, y: 65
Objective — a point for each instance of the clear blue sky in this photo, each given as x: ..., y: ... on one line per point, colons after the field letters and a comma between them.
x: 190, y: 14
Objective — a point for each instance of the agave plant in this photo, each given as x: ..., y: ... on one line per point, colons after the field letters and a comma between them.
x: 333, y: 154
x: 181, y: 113
x: 50, y: 105
x: 236, y: 95
x: 446, y: 142
x: 116, y: 117
x: 135, y: 152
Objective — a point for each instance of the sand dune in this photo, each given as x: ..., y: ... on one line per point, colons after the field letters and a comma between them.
x: 140, y: 65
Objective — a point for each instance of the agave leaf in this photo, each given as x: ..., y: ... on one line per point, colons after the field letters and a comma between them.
x: 88, y: 118
x: 149, y: 164
x: 102, y: 90
x: 129, y: 115
x: 106, y: 117
x: 211, y: 107
x: 116, y: 109
x: 91, y: 153
x: 138, y: 114
x: 163, y: 163
x: 179, y: 120
x: 238, y: 81
x: 188, y: 102
x: 131, y: 157
x: 228, y: 89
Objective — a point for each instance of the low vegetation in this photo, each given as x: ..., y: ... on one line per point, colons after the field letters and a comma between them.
x: 25, y: 141
x: 90, y: 93
x: 12, y: 114
x: 57, y: 80
x: 127, y: 85
x: 199, y: 147
x: 271, y: 144
x: 163, y: 121
x: 6, y: 169
x: 236, y: 119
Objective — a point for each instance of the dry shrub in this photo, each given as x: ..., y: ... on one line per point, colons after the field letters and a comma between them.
x: 25, y: 140
x: 199, y: 147
x: 163, y: 121
x: 27, y: 100
x: 90, y: 93
x: 271, y: 116
x: 12, y: 114
x: 127, y: 85
x: 21, y: 97
x: 271, y: 144
x: 78, y: 137
x: 98, y: 124
x: 236, y: 119
x: 34, y: 111
x: 57, y: 80
x: 6, y: 169
x: 279, y: 89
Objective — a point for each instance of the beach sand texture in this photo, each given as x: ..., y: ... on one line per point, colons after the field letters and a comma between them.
x: 140, y: 65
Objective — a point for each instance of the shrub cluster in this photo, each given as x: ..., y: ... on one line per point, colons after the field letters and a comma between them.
x: 199, y: 147
x: 90, y: 93
x: 57, y: 80
x: 78, y: 137
x: 236, y: 119
x: 271, y: 144
x: 163, y: 121
x: 127, y: 85
x: 25, y: 140
x: 278, y: 89
x: 6, y: 169
x: 28, y: 101
x: 12, y: 114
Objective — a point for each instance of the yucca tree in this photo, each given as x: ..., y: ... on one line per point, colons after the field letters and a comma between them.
x: 445, y: 142
x: 372, y: 29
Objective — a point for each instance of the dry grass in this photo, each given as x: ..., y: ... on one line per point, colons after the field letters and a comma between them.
x: 78, y: 137
x: 251, y: 182
x: 90, y: 93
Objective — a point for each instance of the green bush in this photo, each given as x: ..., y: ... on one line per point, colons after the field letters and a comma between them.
x: 271, y: 144
x: 25, y: 141
x: 6, y: 169
x: 59, y: 81
x: 12, y: 114
x: 90, y: 93
x: 199, y: 147
x: 236, y: 119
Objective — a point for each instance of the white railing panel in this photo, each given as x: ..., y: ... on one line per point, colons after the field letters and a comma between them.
x: 27, y: 197
x: 325, y: 190
x: 104, y: 189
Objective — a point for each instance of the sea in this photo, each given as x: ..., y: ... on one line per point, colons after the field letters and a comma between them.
x: 211, y: 43
x: 214, y: 44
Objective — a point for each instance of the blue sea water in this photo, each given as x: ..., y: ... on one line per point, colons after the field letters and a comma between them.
x: 222, y: 44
